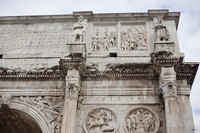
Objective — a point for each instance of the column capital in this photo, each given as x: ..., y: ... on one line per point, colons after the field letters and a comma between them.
x: 72, y: 91
x: 72, y: 87
x: 169, y: 89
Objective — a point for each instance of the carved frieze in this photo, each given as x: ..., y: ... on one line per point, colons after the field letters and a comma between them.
x: 104, y: 39
x: 141, y: 120
x: 53, y: 72
x: 133, y: 38
x: 51, y: 107
x: 101, y: 120
x: 122, y: 71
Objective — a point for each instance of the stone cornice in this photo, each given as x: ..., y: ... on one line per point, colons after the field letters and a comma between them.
x: 91, y: 16
x: 125, y: 71
x: 71, y: 63
x: 187, y: 71
x: 120, y: 71
x: 49, y: 73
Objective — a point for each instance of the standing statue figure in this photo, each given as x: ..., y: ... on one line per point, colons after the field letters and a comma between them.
x: 79, y: 30
x: 162, y: 34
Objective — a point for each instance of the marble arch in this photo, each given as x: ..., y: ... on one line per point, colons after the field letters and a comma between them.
x: 33, y: 112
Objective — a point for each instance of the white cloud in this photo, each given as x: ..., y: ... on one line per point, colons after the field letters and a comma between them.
x: 197, y: 122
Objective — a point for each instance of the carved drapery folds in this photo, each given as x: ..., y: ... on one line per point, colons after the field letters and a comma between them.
x: 79, y: 30
x: 169, y: 89
x: 141, y: 120
x: 162, y: 34
x: 101, y: 120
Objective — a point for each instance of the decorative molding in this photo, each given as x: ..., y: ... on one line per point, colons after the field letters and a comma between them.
x: 100, y: 120
x: 141, y: 120
x: 72, y: 63
x: 187, y: 71
x: 120, y: 71
x: 53, y: 72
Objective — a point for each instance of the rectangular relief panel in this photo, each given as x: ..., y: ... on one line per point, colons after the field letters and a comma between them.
x: 120, y: 37
x: 104, y: 38
x: 133, y: 37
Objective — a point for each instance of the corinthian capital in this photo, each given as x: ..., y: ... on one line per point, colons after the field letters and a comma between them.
x: 72, y: 91
x: 169, y: 89
x: 73, y: 87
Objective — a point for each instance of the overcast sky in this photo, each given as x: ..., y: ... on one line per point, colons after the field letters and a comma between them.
x: 188, y: 31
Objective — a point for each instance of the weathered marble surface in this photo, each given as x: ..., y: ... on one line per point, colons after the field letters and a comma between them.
x: 96, y: 73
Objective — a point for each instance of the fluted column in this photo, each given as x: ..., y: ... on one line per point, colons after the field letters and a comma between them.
x: 169, y: 92
x: 71, y: 98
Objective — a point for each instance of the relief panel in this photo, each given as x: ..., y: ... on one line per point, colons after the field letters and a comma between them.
x: 141, y: 120
x: 104, y: 38
x: 101, y: 120
x: 133, y: 38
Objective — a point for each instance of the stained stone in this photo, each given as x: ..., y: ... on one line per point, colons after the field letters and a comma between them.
x: 94, y: 73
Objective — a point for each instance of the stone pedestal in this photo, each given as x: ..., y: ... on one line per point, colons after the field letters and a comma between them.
x: 71, y: 98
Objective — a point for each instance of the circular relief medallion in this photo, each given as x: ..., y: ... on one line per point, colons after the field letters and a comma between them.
x: 100, y: 120
x: 141, y: 120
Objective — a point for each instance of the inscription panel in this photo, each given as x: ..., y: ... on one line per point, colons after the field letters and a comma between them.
x: 34, y: 36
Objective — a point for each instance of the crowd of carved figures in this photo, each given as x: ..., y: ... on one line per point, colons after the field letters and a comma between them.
x: 133, y: 39
x: 50, y: 108
x: 100, y: 121
x: 105, y: 42
x: 140, y: 121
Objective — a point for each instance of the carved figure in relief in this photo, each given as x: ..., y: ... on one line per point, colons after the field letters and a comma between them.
x: 133, y: 39
x: 79, y: 30
x: 57, y: 125
x: 6, y: 99
x: 51, y: 107
x: 100, y: 121
x: 140, y: 121
x: 106, y: 41
x: 162, y: 34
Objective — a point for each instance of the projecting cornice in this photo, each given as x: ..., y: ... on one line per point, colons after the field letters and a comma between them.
x: 90, y: 16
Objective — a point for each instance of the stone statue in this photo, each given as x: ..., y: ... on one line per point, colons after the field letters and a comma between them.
x: 79, y: 30
x: 162, y: 34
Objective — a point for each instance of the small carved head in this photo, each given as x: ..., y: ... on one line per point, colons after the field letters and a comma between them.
x: 80, y: 18
x: 160, y: 19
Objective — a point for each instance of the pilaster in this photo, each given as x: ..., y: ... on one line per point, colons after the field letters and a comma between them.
x: 165, y: 65
x: 70, y: 104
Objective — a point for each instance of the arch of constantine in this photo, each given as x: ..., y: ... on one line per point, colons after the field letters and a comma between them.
x: 94, y: 73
